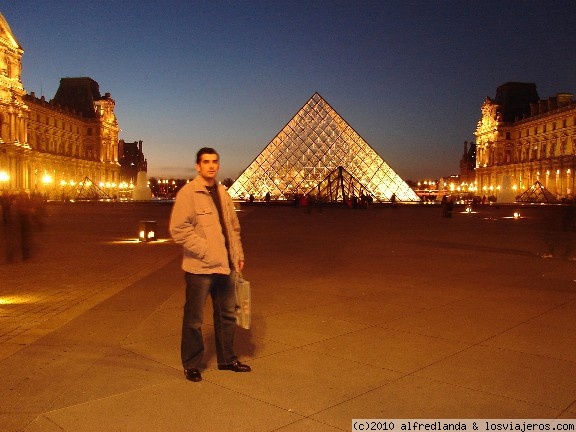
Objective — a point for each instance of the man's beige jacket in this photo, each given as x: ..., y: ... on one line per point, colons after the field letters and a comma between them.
x: 194, y: 224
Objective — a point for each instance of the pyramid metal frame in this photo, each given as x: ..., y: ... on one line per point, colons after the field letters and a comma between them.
x: 339, y: 186
x: 314, y: 143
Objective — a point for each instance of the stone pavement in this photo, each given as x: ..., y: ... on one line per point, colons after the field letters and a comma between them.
x: 380, y: 313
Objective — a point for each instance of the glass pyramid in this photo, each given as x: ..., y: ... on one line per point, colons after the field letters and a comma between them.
x: 537, y: 193
x: 314, y: 143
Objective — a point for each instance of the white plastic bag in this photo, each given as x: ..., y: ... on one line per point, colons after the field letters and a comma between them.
x: 243, y: 302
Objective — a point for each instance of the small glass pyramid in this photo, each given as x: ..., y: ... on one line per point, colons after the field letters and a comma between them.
x: 537, y: 193
x: 314, y: 143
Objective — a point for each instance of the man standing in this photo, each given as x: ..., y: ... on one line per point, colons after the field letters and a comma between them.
x: 204, y: 222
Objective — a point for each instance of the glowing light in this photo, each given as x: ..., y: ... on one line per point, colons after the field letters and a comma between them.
x: 46, y: 178
x: 147, y: 236
x: 4, y: 177
x: 516, y: 215
x: 136, y: 241
x: 18, y: 299
x: 147, y: 231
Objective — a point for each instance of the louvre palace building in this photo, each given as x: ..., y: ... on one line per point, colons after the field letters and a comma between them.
x: 47, y: 146
x: 522, y: 139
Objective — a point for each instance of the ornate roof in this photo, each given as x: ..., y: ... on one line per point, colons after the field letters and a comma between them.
x: 6, y: 34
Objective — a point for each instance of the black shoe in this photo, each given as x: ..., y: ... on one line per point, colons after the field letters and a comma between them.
x: 193, y: 375
x: 236, y: 367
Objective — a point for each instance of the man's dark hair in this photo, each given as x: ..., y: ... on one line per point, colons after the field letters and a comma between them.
x: 203, y: 151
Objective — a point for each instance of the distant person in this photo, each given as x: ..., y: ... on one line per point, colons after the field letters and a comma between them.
x: 24, y: 209
x: 204, y: 222
x: 6, y: 202
x: 447, y: 206
x: 296, y: 201
x: 267, y: 198
x: 560, y: 224
x: 320, y: 201
x: 10, y: 230
x: 311, y: 203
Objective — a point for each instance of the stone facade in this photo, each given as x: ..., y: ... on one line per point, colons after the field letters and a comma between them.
x: 48, y: 146
x: 521, y: 139
x: 132, y: 160
x: 468, y: 163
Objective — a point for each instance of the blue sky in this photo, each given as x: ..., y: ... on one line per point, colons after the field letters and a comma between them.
x: 408, y: 76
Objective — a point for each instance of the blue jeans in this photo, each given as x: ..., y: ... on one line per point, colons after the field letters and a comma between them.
x: 221, y: 289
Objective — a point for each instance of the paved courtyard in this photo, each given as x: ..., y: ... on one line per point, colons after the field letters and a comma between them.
x: 379, y: 313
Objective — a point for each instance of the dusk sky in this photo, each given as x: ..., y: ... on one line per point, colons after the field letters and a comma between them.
x: 408, y: 76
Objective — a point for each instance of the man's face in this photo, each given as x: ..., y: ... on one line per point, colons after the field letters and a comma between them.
x: 208, y: 166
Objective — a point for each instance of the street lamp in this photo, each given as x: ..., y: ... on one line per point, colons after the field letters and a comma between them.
x: 147, y: 231
x: 46, y: 180
x: 4, y: 179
